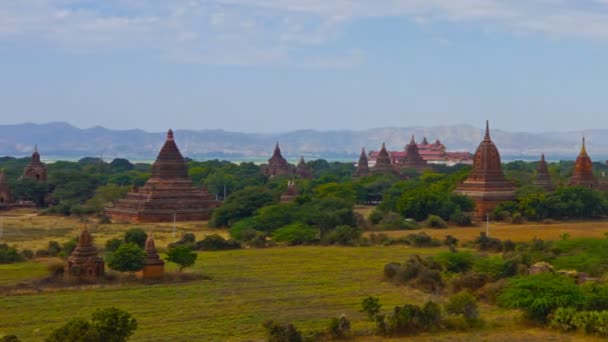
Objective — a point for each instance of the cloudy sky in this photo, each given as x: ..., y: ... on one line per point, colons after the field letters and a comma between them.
x: 279, y: 65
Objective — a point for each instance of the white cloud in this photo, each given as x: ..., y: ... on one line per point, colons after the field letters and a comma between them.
x: 250, y: 32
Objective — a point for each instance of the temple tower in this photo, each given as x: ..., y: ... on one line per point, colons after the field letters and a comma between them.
x: 277, y: 165
x: 303, y: 170
x: 84, y: 263
x: 155, y: 266
x: 35, y: 169
x: 583, y: 170
x: 291, y: 193
x: 543, y: 179
x: 169, y: 194
x: 383, y: 162
x: 5, y: 190
x: 412, y: 158
x: 363, y: 165
x: 486, y: 185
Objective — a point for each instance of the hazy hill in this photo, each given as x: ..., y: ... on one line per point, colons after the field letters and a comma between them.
x: 61, y: 140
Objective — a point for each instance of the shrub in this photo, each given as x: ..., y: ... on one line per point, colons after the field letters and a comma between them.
x: 113, y: 244
x: 75, y: 330
x: 187, y: 239
x: 113, y: 325
x: 53, y: 248
x: 422, y: 240
x: 339, y: 327
x: 391, y: 221
x: 371, y: 306
x: 517, y: 218
x: 295, y: 234
x: 431, y: 316
x: 243, y: 230
x: 215, y: 242
x: 343, y: 235
x: 455, y: 262
x: 376, y: 216
x: 562, y: 319
x: 464, y: 304
x: 495, y: 267
x: 409, y: 319
x: 538, y: 295
x: 9, y: 255
x: 469, y: 281
x: 129, y: 257
x: 183, y: 256
x: 487, y: 244
x: 461, y: 219
x: 27, y: 254
x: 450, y: 241
x: 277, y: 332
x: 10, y: 338
x: 55, y: 269
x: 434, y: 221
x: 137, y: 236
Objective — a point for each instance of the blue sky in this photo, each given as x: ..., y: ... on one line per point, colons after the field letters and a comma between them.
x: 280, y: 65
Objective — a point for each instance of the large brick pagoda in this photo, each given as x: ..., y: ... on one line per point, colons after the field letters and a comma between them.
x: 486, y: 185
x: 35, y: 169
x: 277, y: 165
x: 583, y: 170
x: 167, y: 193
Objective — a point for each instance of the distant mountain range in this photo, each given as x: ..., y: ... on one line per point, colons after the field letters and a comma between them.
x: 60, y: 140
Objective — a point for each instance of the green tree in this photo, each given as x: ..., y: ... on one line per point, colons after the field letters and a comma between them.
x: 137, y: 236
x: 371, y: 306
x: 75, y: 330
x: 464, y: 304
x: 105, y: 195
x: 129, y: 257
x: 183, y: 256
x: 295, y: 234
x: 113, y: 325
x: 241, y: 204
x: 344, y: 192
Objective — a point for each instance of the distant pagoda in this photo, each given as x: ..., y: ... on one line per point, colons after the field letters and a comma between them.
x: 412, y: 158
x: 486, y: 184
x: 583, y: 170
x: 543, y: 178
x: 35, y: 169
x: 363, y: 165
x: 303, y: 170
x: 383, y: 162
x: 169, y: 194
x: 84, y: 262
x: 154, y: 266
x: 291, y: 193
x: 277, y: 165
x: 5, y: 190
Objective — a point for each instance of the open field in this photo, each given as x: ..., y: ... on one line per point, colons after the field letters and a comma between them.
x: 306, y: 285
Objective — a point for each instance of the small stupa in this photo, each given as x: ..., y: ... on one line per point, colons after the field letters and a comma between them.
x: 583, y: 170
x: 84, y: 262
x: 35, y: 169
x: 291, y: 193
x: 155, y: 266
x: 543, y: 178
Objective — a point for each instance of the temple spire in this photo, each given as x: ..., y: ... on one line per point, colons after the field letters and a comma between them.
x: 583, y: 148
x: 35, y: 148
x: 412, y: 141
x: 170, y: 135
x: 487, y: 135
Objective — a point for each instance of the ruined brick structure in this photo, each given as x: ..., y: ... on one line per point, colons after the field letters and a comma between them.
x: 35, y: 169
x: 583, y: 170
x: 84, y: 263
x: 543, y: 178
x: 277, y: 165
x: 155, y: 266
x: 486, y: 184
x: 303, y: 170
x: 383, y: 162
x: 167, y: 194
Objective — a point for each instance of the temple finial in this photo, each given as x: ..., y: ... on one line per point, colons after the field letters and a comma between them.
x: 542, y: 157
x: 584, y: 148
x: 487, y: 136
x: 170, y: 135
x: 35, y: 148
x: 412, y: 141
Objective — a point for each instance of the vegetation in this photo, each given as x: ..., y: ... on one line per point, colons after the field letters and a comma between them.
x: 129, y: 257
x: 106, y: 325
x: 183, y: 256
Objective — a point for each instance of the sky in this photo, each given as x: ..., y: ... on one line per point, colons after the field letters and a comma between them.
x: 283, y: 65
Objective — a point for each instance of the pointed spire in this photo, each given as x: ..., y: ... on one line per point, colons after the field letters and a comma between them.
x: 583, y: 148
x: 542, y: 157
x: 412, y: 141
x: 170, y: 135
x: 487, y: 135
x: 383, y: 146
x: 85, y: 239
x: 35, y: 148
x: 150, y: 244
x: 302, y: 160
x: 363, y: 154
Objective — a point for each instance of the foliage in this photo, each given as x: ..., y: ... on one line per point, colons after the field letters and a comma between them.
x: 339, y: 327
x: 181, y: 255
x: 9, y: 255
x: 286, y: 332
x: 434, y: 221
x: 495, y: 267
x: 455, y: 262
x: 295, y: 234
x: 371, y: 306
x: 343, y: 235
x: 464, y: 304
x: 187, y: 239
x: 424, y: 274
x: 113, y: 244
x: 241, y: 204
x: 75, y: 330
x: 137, y: 236
x: 129, y: 257
x: 538, y: 295
x: 488, y: 244
x: 113, y: 325
x: 422, y: 240
x: 409, y: 319
x: 215, y: 242
x: 334, y: 190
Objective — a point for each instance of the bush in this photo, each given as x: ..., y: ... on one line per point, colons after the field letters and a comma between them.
x: 495, y: 267
x: 562, y: 319
x: 434, y: 221
x: 461, y: 219
x: 469, y: 281
x: 422, y: 274
x: 343, y: 235
x: 455, y: 262
x: 243, y: 230
x: 129, y: 257
x: 9, y: 255
x: 376, y: 216
x: 339, y: 327
x: 517, y: 218
x: 464, y: 304
x: 55, y: 269
x: 75, y: 330
x: 54, y: 248
x: 295, y: 234
x: 371, y: 306
x: 187, y: 239
x: 409, y: 319
x: 277, y: 332
x: 137, y: 236
x: 27, y: 254
x: 113, y: 244
x: 215, y: 243
x: 422, y: 240
x: 106, y: 325
x: 487, y: 244
x: 10, y: 338
x: 183, y: 256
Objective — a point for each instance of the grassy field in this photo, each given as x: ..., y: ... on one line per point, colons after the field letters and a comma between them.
x: 305, y: 285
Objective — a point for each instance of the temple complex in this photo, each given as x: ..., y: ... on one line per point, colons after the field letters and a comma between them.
x: 383, y: 162
x: 486, y: 184
x: 583, y: 170
x: 169, y: 193
x: 303, y: 170
x: 84, y: 263
x: 431, y: 153
x: 277, y: 165
x: 412, y: 158
x: 155, y: 266
x: 291, y: 193
x: 35, y: 169
x: 362, y: 166
x: 543, y: 179
x: 5, y: 190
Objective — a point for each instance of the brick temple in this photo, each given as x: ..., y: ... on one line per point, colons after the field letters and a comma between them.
x: 362, y: 166
x: 583, y: 170
x: 277, y: 165
x: 431, y: 153
x: 543, y: 178
x: 486, y: 184
x: 412, y: 158
x: 35, y: 169
x: 384, y: 163
x: 167, y: 194
x: 303, y: 170
x: 84, y: 262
